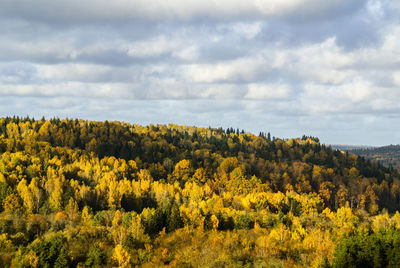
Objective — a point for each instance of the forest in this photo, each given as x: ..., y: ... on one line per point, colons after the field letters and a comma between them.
x: 386, y: 155
x: 77, y: 193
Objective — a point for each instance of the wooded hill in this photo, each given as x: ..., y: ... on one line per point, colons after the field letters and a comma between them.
x: 84, y: 193
x: 388, y: 156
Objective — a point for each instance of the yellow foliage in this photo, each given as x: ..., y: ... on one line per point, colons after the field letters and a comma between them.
x: 26, y: 196
x: 213, y: 222
x: 144, y: 175
x: 182, y: 170
x: 117, y: 220
x: 121, y: 256
x: 136, y: 227
x: 55, y: 199
x: 61, y: 216
x: 194, y: 191
x: 345, y: 220
x: 31, y: 259
x: 228, y: 164
x: 200, y: 175
x: 2, y: 178
x: 298, y: 232
x: 328, y: 213
x: 192, y: 217
x: 381, y: 221
x: 320, y: 244
x: 395, y: 220
x: 5, y: 243
x: 279, y: 236
x: 114, y: 197
x: 86, y: 217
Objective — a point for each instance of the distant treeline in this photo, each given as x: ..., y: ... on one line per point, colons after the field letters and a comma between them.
x: 388, y: 156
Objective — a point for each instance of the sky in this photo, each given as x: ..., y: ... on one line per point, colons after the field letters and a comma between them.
x: 328, y: 68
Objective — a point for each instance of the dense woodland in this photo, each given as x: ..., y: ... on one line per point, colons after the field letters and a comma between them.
x: 93, y: 194
x: 388, y: 156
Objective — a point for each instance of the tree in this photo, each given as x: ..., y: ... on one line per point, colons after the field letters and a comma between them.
x: 121, y: 256
x: 96, y: 256
x: 26, y: 196
x: 182, y: 171
x: 51, y: 252
x: 37, y: 225
x: 31, y: 259
x: 12, y: 204
x: 72, y: 210
x: 174, y: 220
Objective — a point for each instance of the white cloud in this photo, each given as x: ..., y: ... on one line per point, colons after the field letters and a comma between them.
x: 244, y: 69
x: 325, y: 54
x: 264, y: 91
x: 396, y: 78
x: 68, y: 89
x: 375, y: 8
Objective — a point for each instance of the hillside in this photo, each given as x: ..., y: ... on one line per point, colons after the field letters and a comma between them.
x: 84, y: 193
x: 388, y: 156
x: 343, y: 147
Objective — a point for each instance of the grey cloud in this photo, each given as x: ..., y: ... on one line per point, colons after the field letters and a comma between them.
x: 296, y: 67
x: 102, y: 10
x: 16, y: 73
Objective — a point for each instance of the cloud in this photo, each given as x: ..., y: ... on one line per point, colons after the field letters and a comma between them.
x: 290, y: 67
x: 264, y: 91
x: 245, y: 69
x: 248, y: 30
x: 155, y: 10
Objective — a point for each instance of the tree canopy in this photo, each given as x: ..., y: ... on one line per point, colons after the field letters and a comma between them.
x: 76, y: 192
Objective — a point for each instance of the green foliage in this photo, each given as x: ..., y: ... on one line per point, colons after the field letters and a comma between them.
x: 174, y: 220
x: 62, y: 259
x: 51, y: 253
x: 5, y: 191
x: 103, y: 218
x: 380, y: 249
x: 127, y: 220
x: 96, y: 256
x: 244, y: 222
x: 153, y: 221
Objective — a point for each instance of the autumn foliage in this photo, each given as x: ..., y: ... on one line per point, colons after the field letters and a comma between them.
x: 93, y: 194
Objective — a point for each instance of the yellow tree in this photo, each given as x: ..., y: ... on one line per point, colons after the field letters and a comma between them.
x: 118, y: 231
x: 192, y: 217
x: 136, y: 228
x: 36, y: 192
x: 121, y: 256
x: 31, y: 259
x: 213, y: 222
x: 325, y: 191
x: 228, y: 165
x: 12, y: 204
x: 26, y: 196
x: 87, y: 217
x: 72, y: 210
x: 182, y: 170
x: 12, y: 131
x: 200, y: 175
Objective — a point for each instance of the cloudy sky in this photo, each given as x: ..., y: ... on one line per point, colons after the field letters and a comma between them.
x: 324, y: 68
